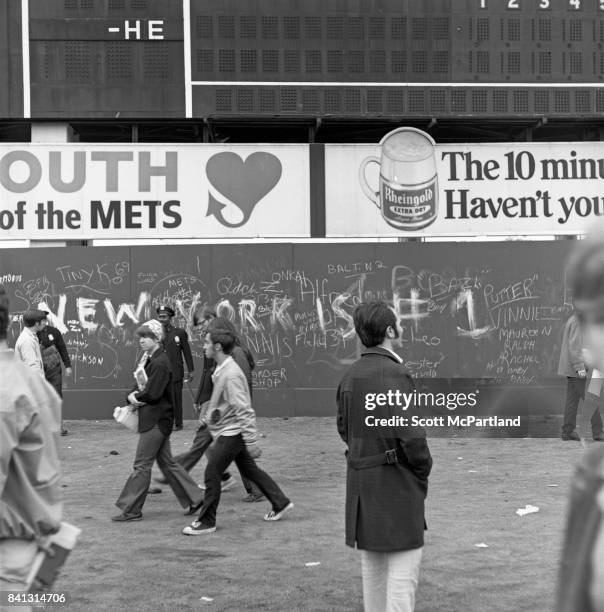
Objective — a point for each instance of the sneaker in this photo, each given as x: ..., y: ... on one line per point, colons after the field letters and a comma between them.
x: 275, y: 516
x: 126, y: 518
x: 64, y: 432
x: 154, y: 490
x: 251, y: 498
x: 225, y: 485
x: 198, y: 528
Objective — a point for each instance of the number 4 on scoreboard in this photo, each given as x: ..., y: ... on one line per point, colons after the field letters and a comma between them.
x: 576, y: 4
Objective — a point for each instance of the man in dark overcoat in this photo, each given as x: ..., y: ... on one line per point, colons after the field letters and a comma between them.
x: 388, y: 468
x: 176, y: 345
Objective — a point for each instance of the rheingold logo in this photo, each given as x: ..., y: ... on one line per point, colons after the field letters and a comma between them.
x: 408, y: 185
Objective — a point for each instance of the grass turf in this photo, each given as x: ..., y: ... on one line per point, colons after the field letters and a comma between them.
x: 252, y: 565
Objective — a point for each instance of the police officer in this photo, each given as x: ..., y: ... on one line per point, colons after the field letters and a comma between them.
x: 176, y: 344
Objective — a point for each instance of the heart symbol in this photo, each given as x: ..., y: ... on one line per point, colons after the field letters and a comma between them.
x: 244, y: 183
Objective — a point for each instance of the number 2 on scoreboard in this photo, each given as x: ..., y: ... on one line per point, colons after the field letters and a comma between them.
x: 513, y: 4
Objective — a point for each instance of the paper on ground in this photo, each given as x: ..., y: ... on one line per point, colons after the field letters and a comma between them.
x: 312, y: 563
x: 481, y: 545
x: 528, y: 509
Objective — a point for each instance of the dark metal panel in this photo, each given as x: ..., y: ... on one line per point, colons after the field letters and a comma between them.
x: 11, y: 60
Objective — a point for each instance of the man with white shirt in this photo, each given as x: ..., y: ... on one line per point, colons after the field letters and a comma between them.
x: 231, y: 422
x: 27, y: 347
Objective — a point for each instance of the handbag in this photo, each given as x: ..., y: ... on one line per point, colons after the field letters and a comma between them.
x: 127, y: 416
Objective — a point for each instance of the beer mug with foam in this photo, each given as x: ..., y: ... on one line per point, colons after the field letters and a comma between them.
x: 408, y: 183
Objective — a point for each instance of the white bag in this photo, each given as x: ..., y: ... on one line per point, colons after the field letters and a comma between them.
x: 127, y: 416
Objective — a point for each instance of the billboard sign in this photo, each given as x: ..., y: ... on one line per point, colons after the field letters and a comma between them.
x: 410, y: 186
x: 77, y: 191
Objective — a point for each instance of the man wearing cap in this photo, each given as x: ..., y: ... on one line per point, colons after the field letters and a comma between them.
x: 176, y: 344
x: 27, y: 347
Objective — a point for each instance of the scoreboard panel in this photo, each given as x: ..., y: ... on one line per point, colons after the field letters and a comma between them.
x: 11, y: 61
x: 106, y: 58
x: 349, y: 58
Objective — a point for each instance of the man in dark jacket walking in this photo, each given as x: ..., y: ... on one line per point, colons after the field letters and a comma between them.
x: 176, y: 345
x: 387, y: 475
x: 54, y: 356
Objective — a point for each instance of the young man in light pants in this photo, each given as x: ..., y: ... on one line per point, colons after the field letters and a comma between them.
x: 387, y: 475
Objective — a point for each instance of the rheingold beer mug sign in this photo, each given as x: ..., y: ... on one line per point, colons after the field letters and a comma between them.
x: 408, y: 183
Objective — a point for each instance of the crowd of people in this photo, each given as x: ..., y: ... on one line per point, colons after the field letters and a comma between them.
x: 387, y: 471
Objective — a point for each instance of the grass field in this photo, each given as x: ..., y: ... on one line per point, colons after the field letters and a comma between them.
x: 475, y: 488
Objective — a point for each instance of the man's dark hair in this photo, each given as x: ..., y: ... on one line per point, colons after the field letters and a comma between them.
x: 224, y: 337
x: 4, y: 304
x: 371, y: 320
x: 221, y: 322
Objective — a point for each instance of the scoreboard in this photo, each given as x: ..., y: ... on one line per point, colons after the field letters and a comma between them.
x: 349, y: 58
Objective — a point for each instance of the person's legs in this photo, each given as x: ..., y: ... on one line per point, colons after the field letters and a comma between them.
x: 248, y: 468
x: 374, y: 568
x: 596, y: 419
x: 200, y: 445
x: 186, y: 490
x: 134, y: 493
x: 403, y: 574
x: 575, y: 388
x: 587, y: 408
x: 55, y: 378
x: 250, y: 487
x: 177, y: 395
x: 224, y: 450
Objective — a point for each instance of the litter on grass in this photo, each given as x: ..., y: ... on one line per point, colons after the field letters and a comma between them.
x: 481, y: 545
x: 528, y: 509
x: 552, y: 485
x: 312, y: 563
x: 206, y: 599
x: 472, y: 471
x: 459, y: 458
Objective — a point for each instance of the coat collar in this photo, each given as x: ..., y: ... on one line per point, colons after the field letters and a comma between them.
x: 158, y: 352
x: 376, y: 350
